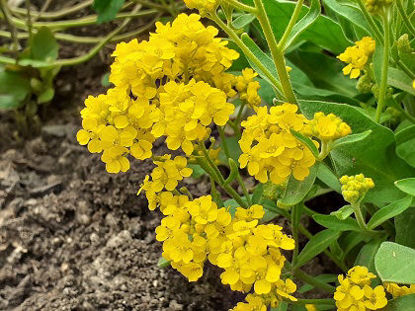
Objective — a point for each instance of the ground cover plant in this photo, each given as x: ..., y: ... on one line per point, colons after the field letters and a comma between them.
x: 270, y: 100
x: 287, y: 110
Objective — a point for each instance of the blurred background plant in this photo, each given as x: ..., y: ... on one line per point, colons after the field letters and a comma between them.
x: 31, y: 33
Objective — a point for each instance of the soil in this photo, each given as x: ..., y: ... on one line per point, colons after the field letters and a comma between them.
x: 72, y: 236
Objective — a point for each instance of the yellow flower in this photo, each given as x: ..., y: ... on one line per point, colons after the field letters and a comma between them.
x: 354, y: 188
x: 169, y: 172
x: 202, y: 5
x: 328, y: 127
x: 270, y: 150
x: 355, y: 292
x: 357, y: 56
x: 254, y: 303
x: 399, y: 290
x: 247, y: 87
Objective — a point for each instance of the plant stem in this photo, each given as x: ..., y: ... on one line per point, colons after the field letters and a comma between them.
x: 276, y: 52
x: 405, y: 18
x: 7, y: 16
x: 57, y: 14
x: 375, y: 29
x: 359, y: 216
x: 29, y: 20
x: 385, y: 65
x: 247, y: 52
x: 295, y: 217
x: 291, y: 23
x: 313, y: 281
x: 85, y: 21
x: 219, y: 178
x: 240, y: 6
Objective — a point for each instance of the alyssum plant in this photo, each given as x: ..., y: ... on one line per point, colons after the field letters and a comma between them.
x: 281, y: 122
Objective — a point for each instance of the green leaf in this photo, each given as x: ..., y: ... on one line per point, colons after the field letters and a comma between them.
x: 44, y: 46
x: 311, y: 16
x: 316, y: 245
x: 404, y: 303
x: 264, y: 58
x: 14, y: 88
x: 405, y: 144
x: 333, y: 223
x: 406, y: 185
x: 323, y: 32
x: 328, y: 177
x: 107, y: 9
x: 257, y: 194
x: 326, y: 278
x: 105, y: 80
x: 163, y: 263
x: 405, y: 228
x: 198, y: 171
x: 243, y: 20
x: 400, y: 80
x: 389, y: 211
x: 351, y: 139
x: 297, y: 190
x: 306, y: 141
x: 366, y: 256
x: 343, y: 212
x: 375, y: 156
x: 395, y: 263
x: 348, y: 10
x: 234, y: 150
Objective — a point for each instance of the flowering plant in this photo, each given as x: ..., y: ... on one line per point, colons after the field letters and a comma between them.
x: 233, y: 111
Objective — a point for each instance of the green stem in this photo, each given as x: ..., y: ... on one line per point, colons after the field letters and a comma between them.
x: 9, y: 20
x: 276, y: 52
x: 87, y: 40
x: 240, y: 6
x: 290, y: 26
x: 375, y: 29
x: 57, y: 14
x: 385, y: 65
x: 29, y: 20
x: 405, y: 18
x: 359, y: 216
x: 224, y: 143
x: 295, y: 217
x: 299, y: 274
x: 214, y: 170
x: 85, y: 21
x: 247, y: 52
x: 339, y: 263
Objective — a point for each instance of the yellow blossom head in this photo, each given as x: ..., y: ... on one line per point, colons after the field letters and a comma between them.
x: 357, y: 56
x: 328, y: 127
x: 203, y: 6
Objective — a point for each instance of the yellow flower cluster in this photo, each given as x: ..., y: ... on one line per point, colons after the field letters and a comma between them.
x: 357, y: 56
x: 248, y: 87
x: 328, y: 127
x: 399, y: 290
x: 355, y: 292
x: 117, y: 125
x: 270, y: 150
x: 194, y: 231
x: 377, y: 6
x: 255, y: 302
x: 355, y: 187
x: 173, y: 85
x: 202, y: 5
